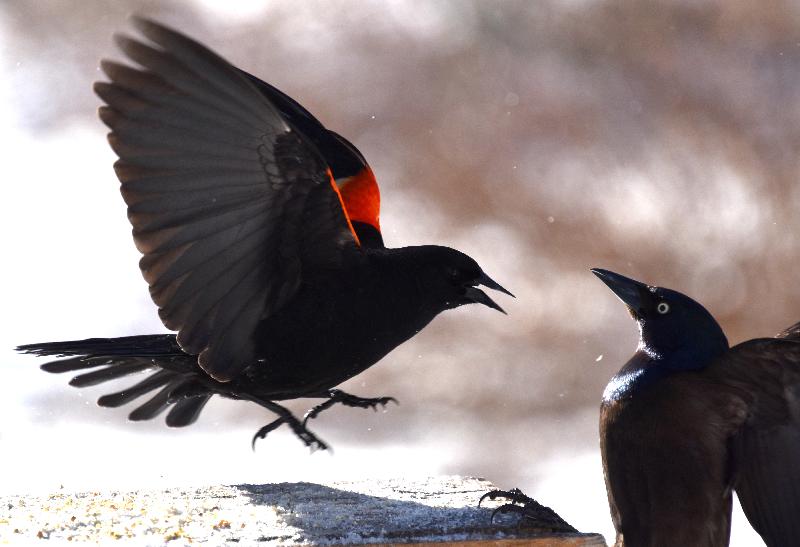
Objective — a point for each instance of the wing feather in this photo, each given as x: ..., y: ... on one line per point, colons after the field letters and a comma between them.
x: 191, y: 81
x: 767, y: 457
x: 219, y: 188
x: 154, y: 99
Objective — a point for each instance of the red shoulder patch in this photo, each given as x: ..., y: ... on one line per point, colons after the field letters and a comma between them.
x: 344, y: 208
x: 361, y: 197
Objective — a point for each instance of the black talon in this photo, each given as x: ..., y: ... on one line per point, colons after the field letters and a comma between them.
x: 515, y: 495
x: 308, y: 438
x: 339, y: 396
x: 261, y: 433
x: 286, y: 417
x: 492, y: 494
x: 527, y: 508
x: 299, y: 428
x: 508, y: 508
x: 311, y: 440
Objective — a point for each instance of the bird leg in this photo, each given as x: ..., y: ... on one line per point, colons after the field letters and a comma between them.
x: 339, y: 396
x: 286, y: 417
x: 527, y: 508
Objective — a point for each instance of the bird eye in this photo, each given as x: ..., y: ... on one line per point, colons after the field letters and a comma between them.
x: 662, y: 308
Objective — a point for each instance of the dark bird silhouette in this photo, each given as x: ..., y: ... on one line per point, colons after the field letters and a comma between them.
x: 688, y: 420
x: 261, y: 244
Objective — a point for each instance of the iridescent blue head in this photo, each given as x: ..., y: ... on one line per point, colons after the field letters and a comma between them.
x: 674, y: 330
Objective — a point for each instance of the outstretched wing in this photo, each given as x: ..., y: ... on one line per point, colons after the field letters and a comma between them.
x: 353, y: 176
x: 767, y: 449
x: 229, y: 203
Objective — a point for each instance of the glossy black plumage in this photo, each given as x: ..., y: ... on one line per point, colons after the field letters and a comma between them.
x: 275, y: 278
x: 688, y: 420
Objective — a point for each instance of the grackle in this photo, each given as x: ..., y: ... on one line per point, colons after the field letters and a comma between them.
x: 261, y: 244
x: 688, y: 420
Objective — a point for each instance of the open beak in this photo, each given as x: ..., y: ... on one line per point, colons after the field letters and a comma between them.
x: 476, y: 295
x: 630, y: 291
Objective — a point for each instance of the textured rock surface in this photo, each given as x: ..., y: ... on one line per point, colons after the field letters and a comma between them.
x: 396, y: 511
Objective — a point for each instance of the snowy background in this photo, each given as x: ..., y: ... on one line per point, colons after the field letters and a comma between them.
x: 656, y: 139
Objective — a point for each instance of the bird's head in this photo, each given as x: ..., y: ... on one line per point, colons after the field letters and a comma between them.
x: 454, y: 278
x: 674, y: 329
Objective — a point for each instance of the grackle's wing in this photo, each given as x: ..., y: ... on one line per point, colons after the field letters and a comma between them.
x: 229, y: 203
x: 766, y: 453
x: 791, y: 333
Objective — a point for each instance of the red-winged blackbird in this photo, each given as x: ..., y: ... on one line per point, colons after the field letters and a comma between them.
x: 688, y: 420
x: 261, y: 243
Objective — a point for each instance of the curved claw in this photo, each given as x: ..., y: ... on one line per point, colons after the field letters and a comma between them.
x: 261, y: 433
x: 338, y: 396
x: 507, y: 508
x: 492, y: 494
x: 317, y: 444
x: 313, y: 442
x: 383, y: 401
x: 514, y: 495
x: 308, y: 438
x: 528, y: 509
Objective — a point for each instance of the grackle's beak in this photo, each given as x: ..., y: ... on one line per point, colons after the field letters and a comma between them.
x: 476, y: 295
x: 630, y: 291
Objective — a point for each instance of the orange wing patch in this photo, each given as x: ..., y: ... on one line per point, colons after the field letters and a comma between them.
x: 341, y: 202
x: 361, y: 198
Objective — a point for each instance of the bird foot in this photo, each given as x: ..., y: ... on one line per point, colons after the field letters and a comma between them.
x: 339, y: 396
x: 527, y: 508
x: 299, y: 429
x: 514, y: 495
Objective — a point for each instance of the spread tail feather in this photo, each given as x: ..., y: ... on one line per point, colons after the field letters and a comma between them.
x: 143, y: 345
x: 186, y: 411
x: 180, y: 382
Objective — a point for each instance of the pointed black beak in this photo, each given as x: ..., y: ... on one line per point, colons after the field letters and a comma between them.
x: 628, y: 290
x: 487, y: 281
x: 474, y: 294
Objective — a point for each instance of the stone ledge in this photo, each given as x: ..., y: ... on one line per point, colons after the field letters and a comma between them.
x: 436, y: 510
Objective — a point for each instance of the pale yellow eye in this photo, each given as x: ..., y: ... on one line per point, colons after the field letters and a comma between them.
x: 662, y: 308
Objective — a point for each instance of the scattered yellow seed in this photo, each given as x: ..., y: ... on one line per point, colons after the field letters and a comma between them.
x: 222, y: 524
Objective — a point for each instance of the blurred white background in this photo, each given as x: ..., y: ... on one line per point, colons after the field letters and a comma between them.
x: 657, y: 139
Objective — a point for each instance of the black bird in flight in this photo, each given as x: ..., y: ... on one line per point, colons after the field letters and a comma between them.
x: 261, y: 245
x: 688, y: 420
